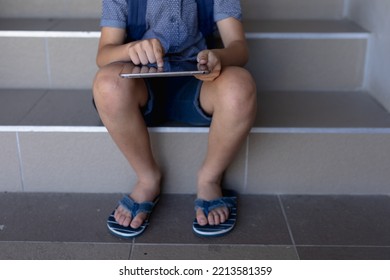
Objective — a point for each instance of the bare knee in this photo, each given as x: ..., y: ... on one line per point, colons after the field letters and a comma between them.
x: 237, y: 92
x: 113, y: 93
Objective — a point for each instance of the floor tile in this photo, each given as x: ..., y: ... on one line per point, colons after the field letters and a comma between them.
x: 63, y: 251
x: 260, y: 221
x: 343, y: 253
x: 87, y: 25
x: 10, y: 177
x: 339, y: 220
x: 311, y: 109
x: 212, y: 252
x: 15, y: 104
x: 56, y: 217
x: 18, y: 24
x: 64, y: 107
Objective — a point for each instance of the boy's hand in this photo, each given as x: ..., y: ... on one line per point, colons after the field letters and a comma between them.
x: 213, y: 63
x: 146, y: 51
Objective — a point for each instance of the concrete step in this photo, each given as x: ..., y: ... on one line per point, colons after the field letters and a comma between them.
x: 302, y: 143
x: 285, y: 55
x: 254, y: 9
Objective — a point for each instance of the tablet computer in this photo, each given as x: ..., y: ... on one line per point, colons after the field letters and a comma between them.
x: 172, y: 68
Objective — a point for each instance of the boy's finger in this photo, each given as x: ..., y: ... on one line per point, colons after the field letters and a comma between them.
x: 158, y: 53
x: 203, y: 57
x: 138, y: 55
x: 160, y: 61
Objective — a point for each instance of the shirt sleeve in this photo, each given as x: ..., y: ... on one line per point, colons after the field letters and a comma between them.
x: 227, y: 8
x: 114, y: 14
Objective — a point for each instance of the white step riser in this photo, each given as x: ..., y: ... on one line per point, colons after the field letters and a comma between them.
x: 254, y: 9
x: 308, y: 64
x: 277, y: 64
x: 297, y: 9
x: 50, y: 8
x: 56, y: 63
x: 288, y: 163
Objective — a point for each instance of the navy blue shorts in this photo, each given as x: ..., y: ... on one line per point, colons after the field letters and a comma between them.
x: 174, y: 100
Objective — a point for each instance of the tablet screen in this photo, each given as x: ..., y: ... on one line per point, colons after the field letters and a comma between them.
x: 172, y: 68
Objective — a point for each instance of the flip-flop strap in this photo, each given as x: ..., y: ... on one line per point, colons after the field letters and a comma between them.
x: 208, y: 206
x: 135, y: 208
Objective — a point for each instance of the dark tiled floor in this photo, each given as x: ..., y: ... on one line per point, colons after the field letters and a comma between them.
x: 72, y: 226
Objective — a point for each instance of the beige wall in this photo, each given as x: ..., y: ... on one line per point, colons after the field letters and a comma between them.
x: 374, y: 16
x: 50, y: 9
x: 292, y: 9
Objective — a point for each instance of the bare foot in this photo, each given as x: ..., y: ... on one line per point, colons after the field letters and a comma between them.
x: 142, y: 192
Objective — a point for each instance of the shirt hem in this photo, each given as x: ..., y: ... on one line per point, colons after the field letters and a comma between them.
x: 113, y: 23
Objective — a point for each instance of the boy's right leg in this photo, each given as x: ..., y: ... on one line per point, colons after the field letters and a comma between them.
x: 119, y: 102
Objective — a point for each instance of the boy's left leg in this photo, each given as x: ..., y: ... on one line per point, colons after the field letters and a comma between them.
x: 231, y: 100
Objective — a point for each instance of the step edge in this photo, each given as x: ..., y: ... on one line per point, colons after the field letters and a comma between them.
x: 203, y: 130
x: 248, y: 35
x: 49, y: 34
x: 306, y: 35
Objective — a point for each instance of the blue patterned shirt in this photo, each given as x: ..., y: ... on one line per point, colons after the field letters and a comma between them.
x: 173, y: 22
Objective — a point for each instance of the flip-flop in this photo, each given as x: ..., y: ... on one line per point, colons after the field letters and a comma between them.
x: 134, y: 208
x: 229, y: 201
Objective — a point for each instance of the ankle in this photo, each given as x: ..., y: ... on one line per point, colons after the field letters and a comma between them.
x: 206, y: 178
x: 209, y: 187
x: 152, y: 180
x: 146, y: 189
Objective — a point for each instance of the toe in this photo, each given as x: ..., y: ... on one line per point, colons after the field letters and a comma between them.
x: 223, y: 214
x: 201, y: 218
x: 138, y: 220
x: 213, y: 218
x: 121, y: 220
x: 126, y: 221
x: 218, y: 216
x: 226, y: 213
x: 118, y: 213
x: 122, y: 216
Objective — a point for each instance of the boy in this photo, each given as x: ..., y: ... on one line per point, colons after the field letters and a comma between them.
x: 225, y: 99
